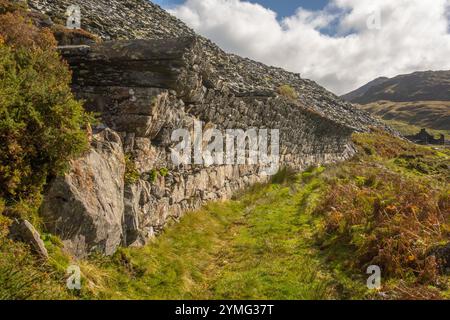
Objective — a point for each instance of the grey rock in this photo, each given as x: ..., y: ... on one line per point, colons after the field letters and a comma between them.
x: 85, y: 207
x: 23, y: 230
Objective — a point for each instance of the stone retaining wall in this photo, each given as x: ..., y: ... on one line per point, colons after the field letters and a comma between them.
x: 143, y: 90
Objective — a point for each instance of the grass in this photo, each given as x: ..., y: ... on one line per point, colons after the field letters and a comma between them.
x: 22, y: 276
x: 287, y: 91
x: 407, y: 129
x: 131, y: 173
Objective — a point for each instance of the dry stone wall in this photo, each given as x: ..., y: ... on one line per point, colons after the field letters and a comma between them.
x: 143, y: 90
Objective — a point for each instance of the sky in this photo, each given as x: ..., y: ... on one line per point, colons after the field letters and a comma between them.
x: 282, y: 7
x: 341, y: 44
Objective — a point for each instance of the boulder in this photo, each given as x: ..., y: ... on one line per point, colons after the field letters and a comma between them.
x: 85, y: 207
x: 23, y: 230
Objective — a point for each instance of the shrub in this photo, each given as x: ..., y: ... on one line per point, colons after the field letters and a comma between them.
x: 8, y: 6
x: 163, y: 172
x: 41, y: 124
x: 66, y: 36
x: 131, y: 173
x: 287, y: 91
x: 387, y: 218
x: 19, y: 32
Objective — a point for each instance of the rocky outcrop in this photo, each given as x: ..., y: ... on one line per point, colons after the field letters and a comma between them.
x: 85, y: 208
x: 23, y: 230
x: 145, y: 89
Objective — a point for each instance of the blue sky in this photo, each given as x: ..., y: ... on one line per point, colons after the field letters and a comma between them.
x: 282, y: 7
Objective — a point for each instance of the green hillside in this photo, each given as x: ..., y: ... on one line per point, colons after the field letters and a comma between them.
x: 410, y: 117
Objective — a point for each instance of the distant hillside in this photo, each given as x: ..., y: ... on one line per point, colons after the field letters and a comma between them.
x: 360, y: 92
x: 417, y: 86
x: 425, y: 114
x: 409, y: 102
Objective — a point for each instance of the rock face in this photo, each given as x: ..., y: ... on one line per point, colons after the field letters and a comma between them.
x: 85, y: 208
x: 169, y: 79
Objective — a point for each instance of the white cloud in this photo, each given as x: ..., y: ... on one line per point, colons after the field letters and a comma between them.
x: 414, y: 36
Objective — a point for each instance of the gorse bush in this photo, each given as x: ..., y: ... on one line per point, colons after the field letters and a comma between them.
x: 41, y: 124
x: 41, y: 129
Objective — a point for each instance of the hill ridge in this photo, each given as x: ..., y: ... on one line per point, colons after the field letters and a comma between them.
x: 416, y: 86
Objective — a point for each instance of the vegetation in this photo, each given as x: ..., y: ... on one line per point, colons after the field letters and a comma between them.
x: 418, y: 86
x: 390, y: 207
x: 410, y: 130
x: 71, y: 36
x: 22, y: 276
x: 131, y: 173
x: 40, y: 122
x: 42, y: 127
x: 153, y: 175
x: 307, y: 236
x: 409, y: 117
x: 7, y: 6
x: 288, y: 92
x: 163, y: 172
x: 253, y: 247
x: 303, y: 236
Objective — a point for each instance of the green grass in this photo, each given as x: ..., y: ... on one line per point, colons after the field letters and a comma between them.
x: 23, y: 276
x: 260, y: 246
x: 303, y: 236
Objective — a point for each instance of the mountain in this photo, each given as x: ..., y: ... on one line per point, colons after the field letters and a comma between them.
x: 360, y: 92
x: 417, y: 86
x: 409, y: 102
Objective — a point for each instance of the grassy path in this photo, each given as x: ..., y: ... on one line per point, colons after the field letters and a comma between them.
x: 269, y: 255
x: 257, y: 247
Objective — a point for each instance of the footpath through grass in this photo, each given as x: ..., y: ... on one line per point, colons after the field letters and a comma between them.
x: 260, y: 246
